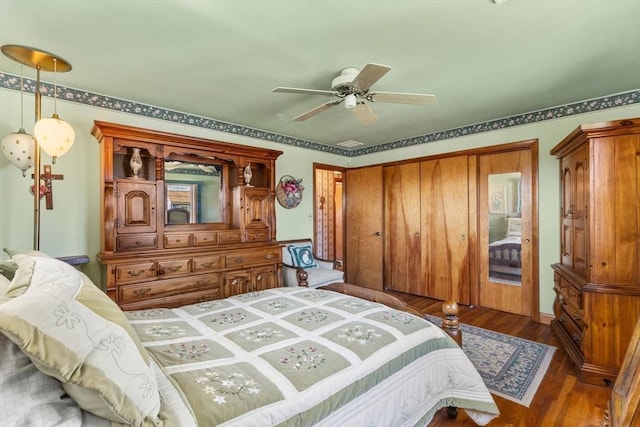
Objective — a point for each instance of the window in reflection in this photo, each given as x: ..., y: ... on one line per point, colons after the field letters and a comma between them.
x: 193, y: 193
x: 505, y: 235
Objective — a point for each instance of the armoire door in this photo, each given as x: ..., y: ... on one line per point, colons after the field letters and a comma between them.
x: 364, y: 241
x: 507, y: 228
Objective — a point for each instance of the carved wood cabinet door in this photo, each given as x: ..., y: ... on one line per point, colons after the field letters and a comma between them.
x: 135, y: 207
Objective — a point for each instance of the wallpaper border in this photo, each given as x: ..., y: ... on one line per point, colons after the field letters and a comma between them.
x: 12, y: 82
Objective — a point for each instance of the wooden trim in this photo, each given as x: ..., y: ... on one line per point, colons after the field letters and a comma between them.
x: 545, y: 318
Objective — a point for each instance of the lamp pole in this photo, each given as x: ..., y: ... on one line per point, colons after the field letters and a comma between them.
x: 40, y: 60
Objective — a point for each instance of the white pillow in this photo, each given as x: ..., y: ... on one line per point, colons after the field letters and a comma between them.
x: 72, y: 331
x: 4, y: 285
x: 30, y: 398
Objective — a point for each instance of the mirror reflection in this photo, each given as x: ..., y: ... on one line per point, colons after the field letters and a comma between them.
x: 193, y: 192
x: 505, y: 235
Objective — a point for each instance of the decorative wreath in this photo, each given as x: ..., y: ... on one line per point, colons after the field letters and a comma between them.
x: 289, y: 191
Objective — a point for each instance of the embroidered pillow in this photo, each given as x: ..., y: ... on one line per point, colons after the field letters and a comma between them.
x: 72, y: 331
x: 302, y: 256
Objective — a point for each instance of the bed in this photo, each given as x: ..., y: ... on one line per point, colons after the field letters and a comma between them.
x: 279, y: 357
x: 504, y: 254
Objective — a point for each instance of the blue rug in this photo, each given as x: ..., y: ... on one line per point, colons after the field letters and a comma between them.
x: 511, y: 367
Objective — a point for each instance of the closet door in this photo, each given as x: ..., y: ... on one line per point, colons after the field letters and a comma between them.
x: 402, y: 228
x: 363, y: 207
x: 444, y: 202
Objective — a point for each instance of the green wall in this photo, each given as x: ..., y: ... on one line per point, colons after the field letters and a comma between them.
x: 73, y: 226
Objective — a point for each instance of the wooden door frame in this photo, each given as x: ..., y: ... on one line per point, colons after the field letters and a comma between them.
x: 316, y: 201
x: 534, y: 292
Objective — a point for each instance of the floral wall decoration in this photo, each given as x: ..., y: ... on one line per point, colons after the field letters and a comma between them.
x: 289, y: 191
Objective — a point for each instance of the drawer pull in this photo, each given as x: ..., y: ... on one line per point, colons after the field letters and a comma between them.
x: 203, y: 282
x: 575, y: 337
x: 135, y: 273
x: 234, y: 282
x: 208, y: 264
x: 239, y: 260
x: 141, y: 292
x: 270, y: 256
x: 174, y: 268
x: 259, y: 277
x: 577, y: 316
x: 205, y: 298
x: 561, y: 319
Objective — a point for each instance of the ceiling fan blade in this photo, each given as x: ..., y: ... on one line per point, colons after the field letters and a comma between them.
x: 318, y: 109
x: 370, y: 74
x: 401, y: 98
x: 305, y: 91
x: 365, y: 114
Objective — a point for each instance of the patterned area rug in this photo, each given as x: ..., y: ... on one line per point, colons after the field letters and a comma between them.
x: 511, y: 367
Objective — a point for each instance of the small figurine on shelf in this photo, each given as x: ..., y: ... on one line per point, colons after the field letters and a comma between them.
x: 136, y: 162
x: 247, y: 175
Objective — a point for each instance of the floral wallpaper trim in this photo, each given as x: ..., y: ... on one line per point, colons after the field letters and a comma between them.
x: 12, y: 82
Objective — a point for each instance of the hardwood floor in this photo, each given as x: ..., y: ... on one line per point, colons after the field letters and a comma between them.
x: 561, y: 400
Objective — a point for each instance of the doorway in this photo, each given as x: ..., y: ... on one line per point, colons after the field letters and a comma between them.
x: 328, y: 212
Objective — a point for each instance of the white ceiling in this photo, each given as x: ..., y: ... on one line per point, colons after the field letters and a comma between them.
x: 221, y: 59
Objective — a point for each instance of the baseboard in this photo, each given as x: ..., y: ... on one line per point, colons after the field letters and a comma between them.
x: 546, y: 318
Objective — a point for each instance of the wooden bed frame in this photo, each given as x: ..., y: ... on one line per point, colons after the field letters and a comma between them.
x: 505, y: 258
x: 450, y: 321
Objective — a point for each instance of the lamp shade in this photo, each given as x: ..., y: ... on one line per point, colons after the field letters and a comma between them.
x: 19, y: 148
x: 54, y: 135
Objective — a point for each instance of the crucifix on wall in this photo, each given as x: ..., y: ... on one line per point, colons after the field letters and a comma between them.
x: 47, y: 189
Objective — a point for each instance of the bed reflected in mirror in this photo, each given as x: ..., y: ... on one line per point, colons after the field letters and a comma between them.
x: 505, y: 234
x: 193, y: 193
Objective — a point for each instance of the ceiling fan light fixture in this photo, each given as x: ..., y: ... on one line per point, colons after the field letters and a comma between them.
x: 350, y: 101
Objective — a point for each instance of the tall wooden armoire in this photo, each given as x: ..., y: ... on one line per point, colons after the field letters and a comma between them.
x: 597, y: 281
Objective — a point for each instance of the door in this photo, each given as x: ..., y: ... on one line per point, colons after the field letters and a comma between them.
x: 402, y: 228
x: 507, y: 246
x: 445, y: 228
x: 136, y: 207
x: 363, y: 227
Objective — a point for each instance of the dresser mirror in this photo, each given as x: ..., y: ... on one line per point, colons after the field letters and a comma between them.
x: 194, y: 192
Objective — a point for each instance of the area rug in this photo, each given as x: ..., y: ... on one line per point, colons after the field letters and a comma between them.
x: 511, y: 367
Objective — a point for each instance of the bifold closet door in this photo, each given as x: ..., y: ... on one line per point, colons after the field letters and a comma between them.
x: 444, y: 202
x: 402, y: 228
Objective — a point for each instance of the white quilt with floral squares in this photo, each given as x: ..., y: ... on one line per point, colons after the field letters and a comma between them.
x: 301, y: 357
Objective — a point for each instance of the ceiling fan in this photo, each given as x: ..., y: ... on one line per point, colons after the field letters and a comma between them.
x: 352, y: 86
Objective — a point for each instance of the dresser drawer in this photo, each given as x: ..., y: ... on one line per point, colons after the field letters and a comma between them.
x: 135, y: 272
x: 261, y: 235
x: 173, y: 267
x: 575, y: 314
x: 228, y: 237
x: 174, y: 300
x: 167, y: 288
x: 574, y: 329
x: 211, y: 263
x: 207, y: 238
x: 262, y: 256
x: 136, y: 242
x: 177, y: 240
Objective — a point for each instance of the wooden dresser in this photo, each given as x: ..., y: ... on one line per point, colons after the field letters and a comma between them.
x: 221, y: 243
x: 597, y: 281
